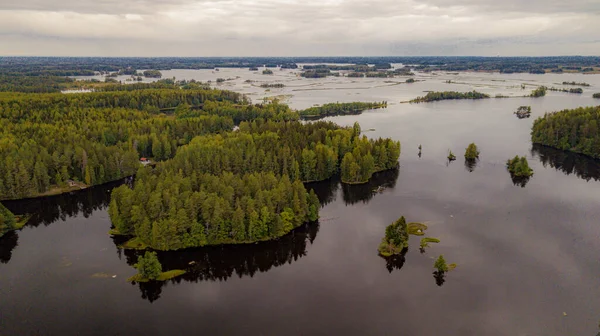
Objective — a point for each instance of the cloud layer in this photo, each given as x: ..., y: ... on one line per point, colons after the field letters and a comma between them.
x: 299, y: 27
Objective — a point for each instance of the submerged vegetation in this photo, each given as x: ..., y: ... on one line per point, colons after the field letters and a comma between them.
x: 451, y: 156
x: 395, y: 240
x: 449, y: 95
x: 426, y: 240
x: 335, y: 109
x: 523, y: 112
x: 574, y: 130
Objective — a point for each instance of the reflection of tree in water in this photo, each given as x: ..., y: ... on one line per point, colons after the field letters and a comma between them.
x: 440, y: 277
x: 520, y: 181
x: 569, y: 163
x: 470, y: 165
x: 7, y: 244
x: 219, y: 263
x: 47, y: 210
x: 355, y: 193
x: 395, y: 261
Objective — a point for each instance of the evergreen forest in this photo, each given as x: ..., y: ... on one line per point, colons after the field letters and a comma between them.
x: 575, y: 130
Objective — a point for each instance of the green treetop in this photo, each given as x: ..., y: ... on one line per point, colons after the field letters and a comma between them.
x: 472, y: 152
x: 519, y: 167
x: 440, y: 264
x: 148, y: 266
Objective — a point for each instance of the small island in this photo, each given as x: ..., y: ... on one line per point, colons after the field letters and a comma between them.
x: 152, y: 74
x: 150, y: 269
x: 395, y: 240
x: 523, y: 112
x: 267, y: 72
x: 539, y: 92
x: 451, y: 156
x: 575, y: 83
x: 337, y: 109
x: 519, y: 167
x: 596, y: 95
x: 449, y: 95
x: 472, y: 153
x: 272, y: 86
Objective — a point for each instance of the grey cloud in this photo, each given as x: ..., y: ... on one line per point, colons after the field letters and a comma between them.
x: 307, y: 27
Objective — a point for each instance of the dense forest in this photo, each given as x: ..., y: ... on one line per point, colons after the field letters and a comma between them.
x: 448, y: 95
x: 244, y: 186
x: 49, y: 142
x: 334, y: 109
x: 575, y: 130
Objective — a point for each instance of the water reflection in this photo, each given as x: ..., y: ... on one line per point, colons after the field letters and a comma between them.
x: 8, y: 242
x: 520, y: 181
x: 569, y: 163
x: 47, y: 210
x: 355, y: 193
x: 219, y: 263
x: 470, y: 165
x: 440, y: 277
x: 395, y: 261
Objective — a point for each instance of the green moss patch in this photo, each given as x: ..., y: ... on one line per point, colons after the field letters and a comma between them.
x: 417, y: 229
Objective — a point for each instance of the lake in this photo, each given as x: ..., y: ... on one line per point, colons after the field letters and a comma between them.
x: 527, y: 252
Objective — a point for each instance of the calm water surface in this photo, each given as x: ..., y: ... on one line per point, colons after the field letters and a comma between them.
x: 527, y: 251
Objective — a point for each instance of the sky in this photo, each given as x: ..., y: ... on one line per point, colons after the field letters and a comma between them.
x: 299, y: 27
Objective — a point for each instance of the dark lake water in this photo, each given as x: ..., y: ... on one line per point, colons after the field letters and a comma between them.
x: 527, y: 251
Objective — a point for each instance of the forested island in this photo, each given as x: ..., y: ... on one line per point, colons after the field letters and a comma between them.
x: 519, y: 167
x: 335, y: 109
x: 574, y: 130
x: 152, y: 74
x: 596, y: 95
x: 395, y: 240
x: 539, y: 92
x: 449, y: 95
x: 244, y: 186
x: 576, y: 83
x: 272, y: 86
x: 572, y: 90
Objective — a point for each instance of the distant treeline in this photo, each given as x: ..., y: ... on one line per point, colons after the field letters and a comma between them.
x: 269, y: 86
x: 575, y: 83
x: 449, y: 95
x: 573, y: 90
x: 73, y: 66
x: 333, y: 109
x: 575, y: 130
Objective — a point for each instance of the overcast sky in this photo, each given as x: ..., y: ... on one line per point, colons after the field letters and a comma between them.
x: 299, y: 27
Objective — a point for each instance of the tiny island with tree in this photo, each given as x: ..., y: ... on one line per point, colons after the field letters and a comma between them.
x: 472, y: 152
x: 150, y: 269
x: 523, y: 112
x: 395, y: 240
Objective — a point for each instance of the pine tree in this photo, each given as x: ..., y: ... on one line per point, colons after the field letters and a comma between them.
x: 148, y: 266
x: 440, y: 264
